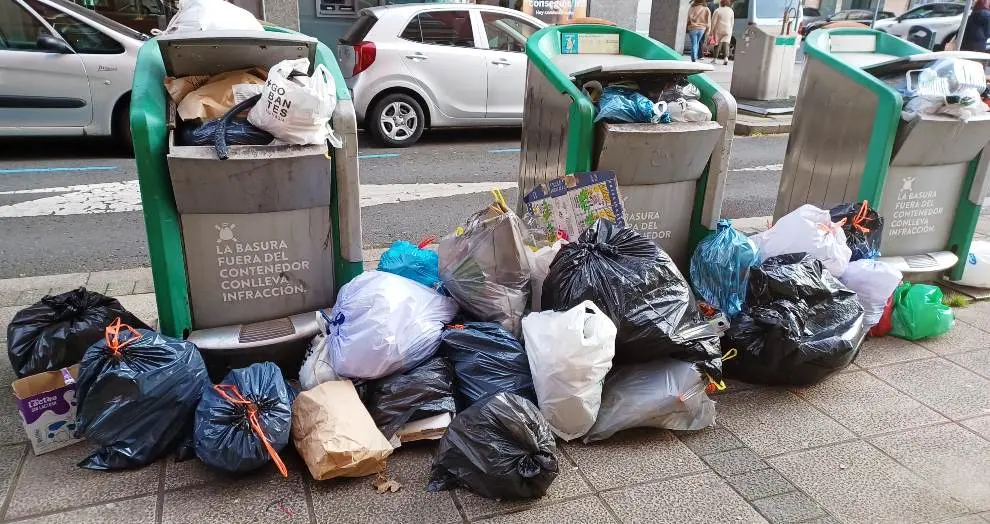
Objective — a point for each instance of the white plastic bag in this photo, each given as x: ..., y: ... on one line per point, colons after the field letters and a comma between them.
x: 539, y: 264
x: 317, y: 368
x: 384, y: 324
x: 664, y: 393
x: 296, y: 108
x: 874, y: 282
x: 569, y: 354
x: 684, y: 110
x: 809, y: 230
x: 211, y: 15
x: 977, y: 270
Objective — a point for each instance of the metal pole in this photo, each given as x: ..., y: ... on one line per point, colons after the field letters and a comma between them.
x: 962, y: 24
x: 876, y: 12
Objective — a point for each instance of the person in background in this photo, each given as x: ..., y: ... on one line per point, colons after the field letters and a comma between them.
x: 699, y: 18
x: 977, y: 27
x: 721, y: 30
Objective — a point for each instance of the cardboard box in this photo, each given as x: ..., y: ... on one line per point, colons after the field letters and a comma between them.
x: 47, y: 404
x: 564, y: 207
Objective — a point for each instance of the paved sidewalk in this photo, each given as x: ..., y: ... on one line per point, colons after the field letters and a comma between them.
x: 901, y: 436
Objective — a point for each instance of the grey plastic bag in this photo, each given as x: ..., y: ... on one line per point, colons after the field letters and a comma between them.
x: 486, y: 268
x: 664, y: 393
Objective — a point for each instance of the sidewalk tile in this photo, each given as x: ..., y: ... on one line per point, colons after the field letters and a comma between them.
x: 9, y: 298
x: 144, y: 286
x: 43, y: 281
x: 966, y: 519
x: 11, y: 431
x: 340, y: 501
x: 976, y: 361
x: 709, y: 440
x: 773, y: 421
x: 65, y: 485
x: 6, y: 315
x: 115, y: 277
x: 857, y: 483
x: 141, y: 306
x: 132, y: 511
x: 962, y: 337
x: 699, y: 498
x: 946, y: 456
x: 262, y: 496
x: 568, y: 484
x: 889, y: 350
x: 31, y: 296
x: 867, y: 405
x: 10, y: 458
x: 734, y: 462
x: 789, y: 508
x: 981, y: 425
x: 587, y: 510
x: 192, y: 472
x: 941, y: 385
x: 635, y: 455
x: 977, y: 314
x: 759, y: 484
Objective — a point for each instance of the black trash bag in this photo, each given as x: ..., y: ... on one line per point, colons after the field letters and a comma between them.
x: 136, y: 397
x: 239, y: 132
x: 419, y: 393
x: 500, y: 448
x: 487, y: 359
x: 244, y: 422
x: 638, y: 286
x: 55, y: 332
x: 863, y: 227
x: 799, y: 325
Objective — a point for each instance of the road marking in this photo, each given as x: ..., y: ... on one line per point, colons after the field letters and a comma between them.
x: 371, y: 156
x: 767, y: 167
x: 505, y: 150
x: 25, y: 170
x: 120, y: 197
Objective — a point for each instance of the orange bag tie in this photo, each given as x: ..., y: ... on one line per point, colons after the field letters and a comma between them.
x: 427, y: 241
x: 235, y: 398
x: 112, y: 336
x: 860, y: 218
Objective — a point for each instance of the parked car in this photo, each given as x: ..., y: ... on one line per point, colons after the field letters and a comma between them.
x: 861, y: 16
x: 417, y: 66
x: 64, y: 70
x: 941, y: 18
x: 140, y: 15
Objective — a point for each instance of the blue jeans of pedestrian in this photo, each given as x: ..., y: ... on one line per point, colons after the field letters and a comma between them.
x: 696, y: 35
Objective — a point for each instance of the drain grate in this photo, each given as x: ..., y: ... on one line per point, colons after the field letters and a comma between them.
x: 267, y: 330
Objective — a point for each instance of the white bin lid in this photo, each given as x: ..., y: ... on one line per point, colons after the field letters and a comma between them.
x: 212, y: 52
x: 641, y: 68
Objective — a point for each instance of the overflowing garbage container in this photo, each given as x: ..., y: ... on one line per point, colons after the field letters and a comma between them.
x: 881, y: 119
x: 603, y: 98
x: 246, y: 241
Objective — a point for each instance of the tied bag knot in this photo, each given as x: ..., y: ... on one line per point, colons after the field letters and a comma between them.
x: 230, y: 393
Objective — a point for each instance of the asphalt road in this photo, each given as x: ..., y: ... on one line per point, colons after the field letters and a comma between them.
x: 69, y: 205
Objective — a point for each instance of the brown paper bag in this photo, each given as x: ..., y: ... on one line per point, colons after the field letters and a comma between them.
x: 178, y: 88
x: 334, y: 433
x: 216, y: 96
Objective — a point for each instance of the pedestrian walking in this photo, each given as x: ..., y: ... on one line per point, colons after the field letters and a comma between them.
x: 722, y: 20
x: 699, y: 18
x: 977, y: 27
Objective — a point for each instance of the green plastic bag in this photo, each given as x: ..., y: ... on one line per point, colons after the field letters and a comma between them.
x: 919, y: 312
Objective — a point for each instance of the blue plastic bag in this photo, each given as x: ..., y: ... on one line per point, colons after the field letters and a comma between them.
x: 413, y: 262
x: 720, y: 268
x: 243, y: 422
x: 625, y: 106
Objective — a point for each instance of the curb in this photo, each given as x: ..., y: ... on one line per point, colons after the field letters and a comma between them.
x: 762, y: 126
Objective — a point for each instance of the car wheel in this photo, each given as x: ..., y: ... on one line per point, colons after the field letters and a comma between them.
x: 397, y: 120
x: 122, y: 127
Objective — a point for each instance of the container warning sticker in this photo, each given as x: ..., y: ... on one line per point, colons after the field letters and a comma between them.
x: 257, y: 269
x: 915, y: 211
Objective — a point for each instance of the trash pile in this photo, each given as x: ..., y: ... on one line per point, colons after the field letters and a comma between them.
x: 953, y: 87
x: 629, y: 102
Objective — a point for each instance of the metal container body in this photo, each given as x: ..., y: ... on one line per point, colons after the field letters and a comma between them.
x: 764, y: 64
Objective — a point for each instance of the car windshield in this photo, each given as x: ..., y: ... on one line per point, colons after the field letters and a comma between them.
x: 773, y: 8
x: 93, y: 16
x: 924, y: 11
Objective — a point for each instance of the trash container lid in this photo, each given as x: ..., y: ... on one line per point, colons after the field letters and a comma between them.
x: 919, y: 60
x: 212, y: 52
x: 642, y: 68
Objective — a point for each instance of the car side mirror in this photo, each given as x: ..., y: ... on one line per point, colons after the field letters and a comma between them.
x: 53, y: 45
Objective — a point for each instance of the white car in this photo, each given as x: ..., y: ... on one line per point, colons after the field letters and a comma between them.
x: 415, y: 66
x: 941, y: 18
x: 64, y: 70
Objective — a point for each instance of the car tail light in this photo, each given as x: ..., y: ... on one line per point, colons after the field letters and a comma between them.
x: 364, y: 56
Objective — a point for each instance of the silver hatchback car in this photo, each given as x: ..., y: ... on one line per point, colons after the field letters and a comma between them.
x: 416, y: 66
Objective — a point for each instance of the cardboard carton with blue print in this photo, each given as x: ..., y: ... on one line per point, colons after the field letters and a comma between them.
x: 47, y: 404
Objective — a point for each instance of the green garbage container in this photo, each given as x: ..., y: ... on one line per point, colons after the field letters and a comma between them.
x: 926, y: 175
x: 671, y: 176
x: 244, y: 251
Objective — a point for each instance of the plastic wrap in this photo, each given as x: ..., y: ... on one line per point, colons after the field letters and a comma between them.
x: 421, y: 392
x: 500, y: 448
x: 976, y: 273
x: 919, y: 312
x: 874, y: 282
x: 800, y: 324
x: 863, y: 228
x: 486, y: 359
x: 412, y: 261
x: 619, y: 105
x: 638, y: 286
x: 296, y: 107
x: 720, y: 268
x: 810, y: 230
